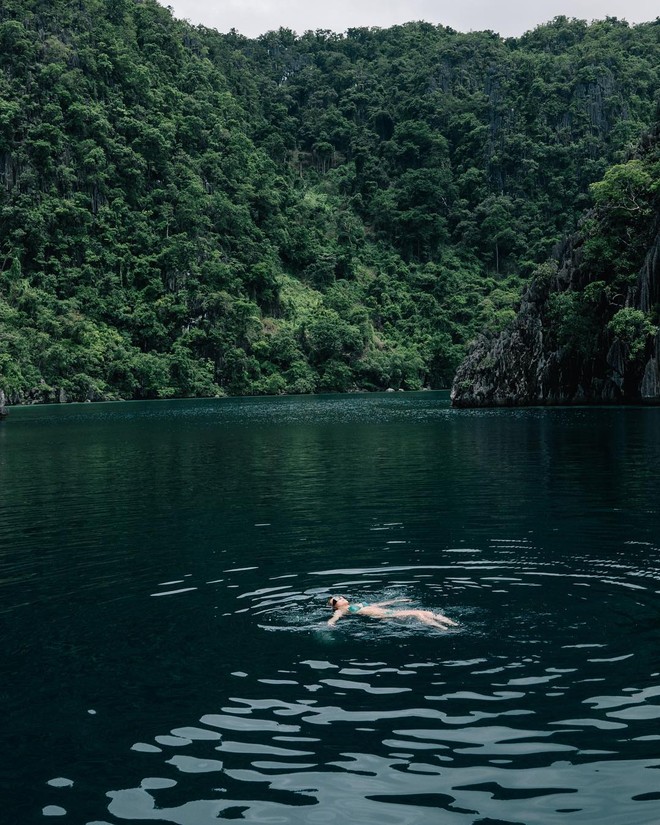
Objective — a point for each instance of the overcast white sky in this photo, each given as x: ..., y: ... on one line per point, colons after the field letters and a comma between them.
x: 507, y: 17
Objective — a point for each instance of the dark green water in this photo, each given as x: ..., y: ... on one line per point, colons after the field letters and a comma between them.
x: 164, y: 569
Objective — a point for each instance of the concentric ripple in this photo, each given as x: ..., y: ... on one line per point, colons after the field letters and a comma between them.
x: 387, y: 720
x: 164, y: 577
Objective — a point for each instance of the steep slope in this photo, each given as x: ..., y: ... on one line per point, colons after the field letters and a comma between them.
x: 587, y: 328
x: 185, y: 213
x: 469, y: 139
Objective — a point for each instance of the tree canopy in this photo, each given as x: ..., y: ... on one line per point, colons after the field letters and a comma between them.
x: 189, y: 213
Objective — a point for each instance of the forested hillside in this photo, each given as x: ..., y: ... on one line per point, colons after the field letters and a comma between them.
x: 587, y: 330
x: 187, y: 213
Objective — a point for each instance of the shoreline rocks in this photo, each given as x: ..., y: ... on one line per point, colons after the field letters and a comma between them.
x: 528, y: 365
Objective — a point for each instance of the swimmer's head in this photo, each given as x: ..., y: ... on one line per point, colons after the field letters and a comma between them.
x: 337, y: 602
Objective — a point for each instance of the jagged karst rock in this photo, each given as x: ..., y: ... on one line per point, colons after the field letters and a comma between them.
x: 526, y: 365
x: 651, y: 382
x: 587, y: 328
x: 41, y: 394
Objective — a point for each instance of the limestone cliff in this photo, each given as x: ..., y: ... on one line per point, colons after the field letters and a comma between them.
x: 587, y: 328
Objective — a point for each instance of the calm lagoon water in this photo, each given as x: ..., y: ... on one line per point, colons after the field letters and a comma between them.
x: 164, y: 569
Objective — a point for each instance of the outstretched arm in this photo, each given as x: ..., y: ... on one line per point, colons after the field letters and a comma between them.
x: 336, y: 616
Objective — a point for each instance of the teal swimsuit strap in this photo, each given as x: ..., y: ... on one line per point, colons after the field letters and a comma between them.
x: 355, y: 608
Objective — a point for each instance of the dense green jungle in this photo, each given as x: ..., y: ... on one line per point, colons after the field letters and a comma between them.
x: 190, y: 213
x: 587, y: 329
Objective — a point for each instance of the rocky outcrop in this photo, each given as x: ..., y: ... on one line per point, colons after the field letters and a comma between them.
x: 42, y: 394
x: 531, y: 364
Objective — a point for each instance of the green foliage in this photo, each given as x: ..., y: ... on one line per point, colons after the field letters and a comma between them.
x: 605, y: 300
x: 185, y: 213
x: 625, y: 189
x: 575, y: 321
x: 633, y: 328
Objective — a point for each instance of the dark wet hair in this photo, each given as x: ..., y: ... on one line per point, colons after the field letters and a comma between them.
x: 332, y: 601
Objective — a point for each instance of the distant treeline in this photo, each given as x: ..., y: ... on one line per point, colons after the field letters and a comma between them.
x: 187, y: 213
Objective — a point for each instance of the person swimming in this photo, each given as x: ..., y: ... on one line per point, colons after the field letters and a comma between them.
x: 341, y: 607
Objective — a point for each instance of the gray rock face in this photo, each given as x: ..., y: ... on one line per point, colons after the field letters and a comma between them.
x: 526, y: 365
x: 651, y: 382
x: 37, y: 395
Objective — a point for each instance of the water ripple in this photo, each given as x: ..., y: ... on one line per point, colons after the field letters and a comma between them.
x: 164, y: 575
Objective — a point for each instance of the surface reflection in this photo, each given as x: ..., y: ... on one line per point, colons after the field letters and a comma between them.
x: 164, y: 576
x: 531, y: 739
